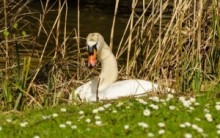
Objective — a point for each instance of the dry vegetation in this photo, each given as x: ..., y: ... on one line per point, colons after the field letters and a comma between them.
x: 184, y: 54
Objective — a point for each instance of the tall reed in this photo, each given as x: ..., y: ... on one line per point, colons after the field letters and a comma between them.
x: 175, y: 46
x: 174, y: 43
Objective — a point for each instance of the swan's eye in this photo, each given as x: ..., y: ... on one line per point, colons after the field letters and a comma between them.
x: 91, y: 49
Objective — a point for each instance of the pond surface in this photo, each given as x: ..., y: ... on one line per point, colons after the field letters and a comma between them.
x: 91, y: 20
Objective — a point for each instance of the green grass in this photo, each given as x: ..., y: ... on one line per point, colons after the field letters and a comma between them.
x: 115, y: 117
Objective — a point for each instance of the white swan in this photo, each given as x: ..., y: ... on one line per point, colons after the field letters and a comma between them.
x: 108, y: 88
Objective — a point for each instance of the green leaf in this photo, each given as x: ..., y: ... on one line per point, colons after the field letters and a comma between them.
x: 15, y: 26
x: 23, y: 33
x: 5, y: 33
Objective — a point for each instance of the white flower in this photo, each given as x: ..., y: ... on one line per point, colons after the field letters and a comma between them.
x: 81, y: 117
x: 97, y: 117
x: 95, y: 111
x: 107, y: 105
x: 182, y: 125
x: 126, y: 127
x: 63, y: 109
x: 197, y: 119
x: 186, y: 103
x: 172, y: 107
x: 192, y: 99
x: 0, y: 128
x: 36, y: 136
x: 23, y: 124
x: 155, y: 99
x: 194, y: 126
x: 153, y: 106
x: 98, y: 110
x: 98, y: 122
x: 9, y: 120
x: 217, y: 107
x: 188, y: 135
x: 127, y: 107
x: 68, y: 122
x: 146, y: 112
x: 114, y: 111
x: 196, y: 104
x: 218, y: 132
x: 62, y: 126
x: 217, y: 103
x: 81, y: 112
x: 181, y: 98
x: 218, y: 126
x: 162, y: 131
x: 141, y: 101
x: 101, y: 109
x: 163, y: 101
x: 143, y: 125
x: 200, y: 130
x: 188, y: 124
x: 55, y: 115
x: 206, y: 110
x: 191, y: 108
x: 74, y: 127
x: 169, y: 97
x: 119, y: 104
x: 161, y: 124
x: 88, y: 120
x: 44, y: 117
x: 208, y: 117
x: 150, y: 135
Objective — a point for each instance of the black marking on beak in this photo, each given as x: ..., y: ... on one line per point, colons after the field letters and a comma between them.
x: 91, y: 49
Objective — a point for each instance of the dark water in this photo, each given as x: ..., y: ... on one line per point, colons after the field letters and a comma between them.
x: 92, y: 19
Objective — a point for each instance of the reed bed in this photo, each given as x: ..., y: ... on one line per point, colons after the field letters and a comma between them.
x: 41, y: 68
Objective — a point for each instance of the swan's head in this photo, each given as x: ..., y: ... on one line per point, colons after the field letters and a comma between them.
x: 94, y: 42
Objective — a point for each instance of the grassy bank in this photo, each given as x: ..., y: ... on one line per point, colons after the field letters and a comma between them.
x: 159, y: 116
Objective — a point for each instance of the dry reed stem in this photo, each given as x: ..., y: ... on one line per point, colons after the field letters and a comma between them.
x: 65, y: 38
x: 6, y: 39
x: 45, y: 45
x: 78, y: 37
x: 57, y: 31
x: 42, y: 17
x: 113, y: 24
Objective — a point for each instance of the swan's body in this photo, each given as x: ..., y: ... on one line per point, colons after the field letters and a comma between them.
x: 108, y: 88
x: 87, y: 92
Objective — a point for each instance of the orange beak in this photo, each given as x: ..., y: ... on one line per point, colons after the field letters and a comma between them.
x: 92, y: 59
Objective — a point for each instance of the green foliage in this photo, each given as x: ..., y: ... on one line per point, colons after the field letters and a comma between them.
x: 15, y: 87
x: 21, y: 83
x: 120, y: 118
x: 23, y: 33
x: 15, y: 26
x: 7, y: 95
x: 197, y: 80
x: 6, y: 33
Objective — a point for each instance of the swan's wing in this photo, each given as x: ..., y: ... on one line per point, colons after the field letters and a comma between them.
x: 82, y: 92
x: 129, y: 88
x: 125, y: 88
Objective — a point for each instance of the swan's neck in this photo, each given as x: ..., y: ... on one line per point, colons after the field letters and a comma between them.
x: 109, y: 69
